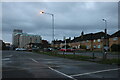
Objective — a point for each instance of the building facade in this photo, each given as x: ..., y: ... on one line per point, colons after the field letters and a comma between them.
x: 114, y: 39
x: 15, y: 37
x: 21, y: 39
x: 92, y: 41
x: 25, y: 39
x: 1, y: 44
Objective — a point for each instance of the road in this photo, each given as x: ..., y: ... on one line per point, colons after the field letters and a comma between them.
x: 18, y: 64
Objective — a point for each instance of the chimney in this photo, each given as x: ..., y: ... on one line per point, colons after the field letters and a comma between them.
x: 82, y: 33
x: 69, y: 38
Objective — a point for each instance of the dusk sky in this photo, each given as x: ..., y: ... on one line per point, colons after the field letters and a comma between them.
x: 71, y: 18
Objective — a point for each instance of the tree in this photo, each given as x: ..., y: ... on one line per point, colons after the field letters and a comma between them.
x: 45, y: 44
x: 82, y: 46
x: 115, y: 47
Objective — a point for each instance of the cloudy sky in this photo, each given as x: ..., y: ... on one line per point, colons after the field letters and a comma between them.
x: 71, y: 18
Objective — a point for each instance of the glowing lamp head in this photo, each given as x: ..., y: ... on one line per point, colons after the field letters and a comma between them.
x: 103, y: 19
x: 41, y: 12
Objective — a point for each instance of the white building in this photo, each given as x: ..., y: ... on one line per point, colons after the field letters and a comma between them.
x: 15, y: 37
x: 22, y: 39
x: 25, y: 39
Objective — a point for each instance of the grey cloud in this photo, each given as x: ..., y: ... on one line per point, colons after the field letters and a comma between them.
x: 70, y: 18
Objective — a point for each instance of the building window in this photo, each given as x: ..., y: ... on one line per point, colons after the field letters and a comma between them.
x: 94, y: 40
x: 87, y: 40
x: 115, y: 38
x: 98, y: 40
x: 88, y: 47
x: 99, y: 46
x: 94, y: 46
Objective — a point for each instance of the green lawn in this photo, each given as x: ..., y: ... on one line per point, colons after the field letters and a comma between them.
x: 82, y: 58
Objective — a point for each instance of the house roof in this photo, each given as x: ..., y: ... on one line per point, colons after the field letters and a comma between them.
x: 90, y: 36
x: 116, y: 34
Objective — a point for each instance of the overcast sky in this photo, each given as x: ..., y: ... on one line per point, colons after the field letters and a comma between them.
x: 71, y: 18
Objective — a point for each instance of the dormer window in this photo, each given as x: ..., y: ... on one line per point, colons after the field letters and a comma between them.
x: 115, y: 38
x: 98, y: 40
x: 94, y: 40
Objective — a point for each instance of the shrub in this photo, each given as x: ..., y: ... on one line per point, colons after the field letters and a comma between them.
x: 83, y: 47
x: 115, y: 47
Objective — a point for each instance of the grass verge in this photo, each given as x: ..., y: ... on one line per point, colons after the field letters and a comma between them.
x: 83, y: 58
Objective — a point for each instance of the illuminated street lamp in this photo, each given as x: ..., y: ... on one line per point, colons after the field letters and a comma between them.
x: 42, y: 12
x: 106, y: 45
x: 105, y: 31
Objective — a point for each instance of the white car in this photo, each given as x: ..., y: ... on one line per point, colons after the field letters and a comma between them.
x: 20, y: 49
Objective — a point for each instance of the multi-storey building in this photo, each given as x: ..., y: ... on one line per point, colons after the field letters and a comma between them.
x: 15, y: 37
x: 21, y: 39
x: 25, y: 39
x: 1, y: 44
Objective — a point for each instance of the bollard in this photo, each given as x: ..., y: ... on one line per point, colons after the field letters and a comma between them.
x: 93, y: 55
x: 105, y: 56
x: 74, y: 53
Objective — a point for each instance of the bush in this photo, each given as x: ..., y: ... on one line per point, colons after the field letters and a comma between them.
x: 83, y: 47
x: 115, y: 47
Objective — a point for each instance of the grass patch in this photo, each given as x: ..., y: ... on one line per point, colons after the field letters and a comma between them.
x: 82, y: 58
x: 115, y: 53
x: 69, y: 56
x: 110, y: 61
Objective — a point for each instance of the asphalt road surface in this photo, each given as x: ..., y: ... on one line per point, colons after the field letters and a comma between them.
x: 18, y: 64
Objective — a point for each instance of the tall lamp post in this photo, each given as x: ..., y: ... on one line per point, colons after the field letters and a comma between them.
x: 42, y: 12
x: 105, y: 31
x: 106, y: 43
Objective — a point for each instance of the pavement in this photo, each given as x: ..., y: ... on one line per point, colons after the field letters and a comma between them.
x: 21, y: 64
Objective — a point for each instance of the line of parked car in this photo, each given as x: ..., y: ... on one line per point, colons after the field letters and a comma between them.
x: 46, y: 49
x: 67, y: 50
x: 20, y: 49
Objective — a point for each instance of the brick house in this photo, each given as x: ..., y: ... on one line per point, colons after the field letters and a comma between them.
x: 58, y: 43
x: 92, y: 41
x: 114, y: 38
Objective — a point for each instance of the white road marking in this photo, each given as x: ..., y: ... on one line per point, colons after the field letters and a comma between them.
x: 34, y: 60
x: 95, y: 72
x: 62, y: 73
x: 56, y: 70
x: 8, y: 56
x: 6, y: 59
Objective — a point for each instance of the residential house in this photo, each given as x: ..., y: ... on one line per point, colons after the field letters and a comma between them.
x: 114, y: 38
x: 92, y: 41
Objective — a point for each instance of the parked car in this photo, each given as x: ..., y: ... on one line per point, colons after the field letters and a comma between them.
x: 29, y: 49
x: 35, y: 49
x: 68, y: 49
x: 48, y: 49
x: 20, y: 49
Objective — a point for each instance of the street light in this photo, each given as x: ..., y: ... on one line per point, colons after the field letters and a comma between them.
x: 105, y: 30
x: 42, y: 12
x: 106, y: 45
